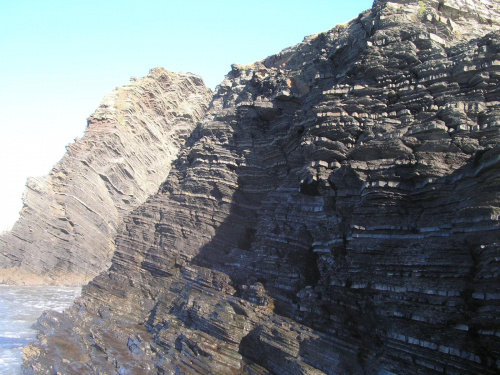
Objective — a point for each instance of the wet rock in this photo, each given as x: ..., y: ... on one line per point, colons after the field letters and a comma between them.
x: 348, y: 226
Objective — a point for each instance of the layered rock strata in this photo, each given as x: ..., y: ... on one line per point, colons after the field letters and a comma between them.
x: 336, y: 212
x: 70, y: 217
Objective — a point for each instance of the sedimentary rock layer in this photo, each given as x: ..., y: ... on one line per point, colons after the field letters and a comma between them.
x: 336, y: 212
x: 70, y: 217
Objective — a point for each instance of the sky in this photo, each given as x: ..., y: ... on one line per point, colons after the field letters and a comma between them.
x: 59, y: 58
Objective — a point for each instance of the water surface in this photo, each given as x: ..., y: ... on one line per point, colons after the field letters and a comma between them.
x: 20, y: 307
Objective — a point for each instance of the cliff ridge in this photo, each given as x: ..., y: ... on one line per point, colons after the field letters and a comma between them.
x: 66, y: 230
x: 336, y: 211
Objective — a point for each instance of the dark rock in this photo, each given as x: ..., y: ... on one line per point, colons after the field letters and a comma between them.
x: 348, y: 226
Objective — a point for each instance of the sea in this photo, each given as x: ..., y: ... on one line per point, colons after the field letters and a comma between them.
x: 20, y: 307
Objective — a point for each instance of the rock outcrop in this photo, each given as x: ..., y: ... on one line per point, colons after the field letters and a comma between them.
x: 336, y: 212
x: 70, y: 217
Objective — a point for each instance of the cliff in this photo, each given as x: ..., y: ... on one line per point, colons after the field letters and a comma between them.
x: 66, y: 230
x: 335, y: 212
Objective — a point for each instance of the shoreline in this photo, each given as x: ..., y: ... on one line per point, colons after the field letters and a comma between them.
x: 18, y: 277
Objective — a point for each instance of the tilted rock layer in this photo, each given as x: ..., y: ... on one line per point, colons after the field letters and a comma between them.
x: 67, y: 226
x: 336, y: 212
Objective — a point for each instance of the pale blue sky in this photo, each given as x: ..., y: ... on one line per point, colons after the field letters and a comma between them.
x: 59, y: 58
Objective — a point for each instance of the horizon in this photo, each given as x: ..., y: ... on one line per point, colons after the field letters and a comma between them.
x: 61, y: 59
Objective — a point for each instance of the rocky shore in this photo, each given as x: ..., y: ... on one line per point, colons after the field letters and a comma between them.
x: 334, y: 210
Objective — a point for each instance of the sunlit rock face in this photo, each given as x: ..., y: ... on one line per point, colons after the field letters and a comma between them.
x: 335, y: 212
x: 69, y: 221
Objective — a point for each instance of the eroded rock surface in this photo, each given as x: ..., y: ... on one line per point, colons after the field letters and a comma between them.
x: 70, y: 217
x: 336, y: 212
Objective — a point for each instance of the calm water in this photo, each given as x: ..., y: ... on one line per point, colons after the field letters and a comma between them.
x: 20, y: 307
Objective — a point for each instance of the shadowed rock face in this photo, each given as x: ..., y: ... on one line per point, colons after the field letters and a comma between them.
x: 70, y: 217
x: 336, y: 211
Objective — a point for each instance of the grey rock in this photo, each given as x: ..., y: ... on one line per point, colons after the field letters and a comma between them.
x: 336, y: 211
x: 66, y: 230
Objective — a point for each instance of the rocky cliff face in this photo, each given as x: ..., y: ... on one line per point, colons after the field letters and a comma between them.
x: 336, y: 212
x: 67, y: 226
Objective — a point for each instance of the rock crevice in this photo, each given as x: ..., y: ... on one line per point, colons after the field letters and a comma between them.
x: 336, y: 211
